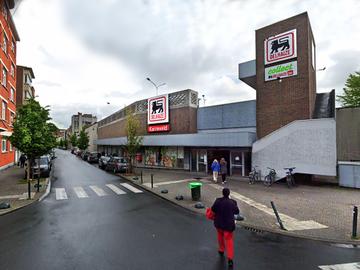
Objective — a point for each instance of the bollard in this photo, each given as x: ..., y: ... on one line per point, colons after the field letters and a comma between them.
x: 355, y: 217
x: 141, y: 177
x: 152, y: 180
x: 277, y: 216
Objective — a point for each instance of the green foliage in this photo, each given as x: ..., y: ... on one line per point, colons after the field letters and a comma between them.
x: 83, y: 141
x: 33, y: 134
x: 351, y: 96
x: 134, y: 141
x: 73, y: 140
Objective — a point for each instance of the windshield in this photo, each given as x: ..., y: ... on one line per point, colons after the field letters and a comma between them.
x: 43, y: 161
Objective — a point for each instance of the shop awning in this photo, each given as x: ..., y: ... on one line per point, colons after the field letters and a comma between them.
x: 225, y: 139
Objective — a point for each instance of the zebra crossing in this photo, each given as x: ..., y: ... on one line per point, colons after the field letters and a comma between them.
x: 94, y: 190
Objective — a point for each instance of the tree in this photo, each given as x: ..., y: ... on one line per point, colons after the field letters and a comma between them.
x: 83, y: 141
x: 134, y: 141
x: 73, y: 140
x: 65, y: 144
x: 33, y: 134
x: 351, y: 95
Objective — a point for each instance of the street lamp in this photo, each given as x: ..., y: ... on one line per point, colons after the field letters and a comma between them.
x: 156, y: 86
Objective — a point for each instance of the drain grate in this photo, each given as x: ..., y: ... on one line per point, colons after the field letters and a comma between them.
x: 253, y: 229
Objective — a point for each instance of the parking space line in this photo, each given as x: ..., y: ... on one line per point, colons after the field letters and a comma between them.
x: 117, y: 190
x: 290, y: 223
x: 100, y: 192
x: 131, y: 188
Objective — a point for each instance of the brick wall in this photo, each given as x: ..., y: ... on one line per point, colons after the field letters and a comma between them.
x: 279, y: 103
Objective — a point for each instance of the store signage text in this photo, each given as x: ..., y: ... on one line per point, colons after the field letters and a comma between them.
x: 281, y: 71
x: 280, y: 47
x: 159, y: 128
x: 158, y: 109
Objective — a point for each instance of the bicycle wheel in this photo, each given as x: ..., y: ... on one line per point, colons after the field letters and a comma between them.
x: 267, y: 181
x: 288, y: 181
x: 251, y: 179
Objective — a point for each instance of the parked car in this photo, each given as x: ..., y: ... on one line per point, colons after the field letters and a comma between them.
x: 93, y: 157
x: 117, y: 164
x: 103, y: 160
x: 85, y: 155
x: 45, y: 167
x: 79, y: 153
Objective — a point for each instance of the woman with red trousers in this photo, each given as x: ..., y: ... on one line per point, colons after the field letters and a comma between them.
x: 224, y: 209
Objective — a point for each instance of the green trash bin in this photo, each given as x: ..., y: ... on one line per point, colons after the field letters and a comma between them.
x: 195, y: 190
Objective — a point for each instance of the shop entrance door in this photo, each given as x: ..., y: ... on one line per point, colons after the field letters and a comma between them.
x: 193, y: 160
x: 218, y: 154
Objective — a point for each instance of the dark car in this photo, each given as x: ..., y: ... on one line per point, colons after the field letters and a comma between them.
x: 117, y: 164
x: 85, y: 155
x: 103, y: 160
x: 45, y: 167
x: 93, y: 157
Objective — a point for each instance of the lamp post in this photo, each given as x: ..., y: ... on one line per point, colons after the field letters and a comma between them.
x: 156, y: 86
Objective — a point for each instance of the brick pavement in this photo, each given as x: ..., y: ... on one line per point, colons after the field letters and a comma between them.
x: 12, y: 184
x: 327, y: 205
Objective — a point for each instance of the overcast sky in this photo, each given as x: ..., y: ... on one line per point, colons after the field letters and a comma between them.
x: 86, y: 53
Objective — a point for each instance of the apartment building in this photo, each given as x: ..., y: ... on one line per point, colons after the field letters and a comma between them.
x: 8, y: 38
x: 79, y: 121
x: 25, y: 90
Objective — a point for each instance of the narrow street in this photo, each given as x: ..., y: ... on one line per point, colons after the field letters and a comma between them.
x: 94, y: 220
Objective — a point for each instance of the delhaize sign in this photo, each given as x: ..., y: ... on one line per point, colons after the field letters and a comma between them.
x: 281, y: 71
x: 280, y: 47
x: 158, y: 110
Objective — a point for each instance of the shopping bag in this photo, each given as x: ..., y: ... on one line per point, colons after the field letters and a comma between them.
x: 210, y: 214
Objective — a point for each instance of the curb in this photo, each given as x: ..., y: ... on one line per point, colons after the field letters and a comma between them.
x: 245, y: 225
x: 47, y: 192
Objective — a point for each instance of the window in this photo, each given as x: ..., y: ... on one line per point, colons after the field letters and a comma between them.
x: 3, y: 145
x: 10, y: 147
x: 12, y: 94
x: 3, y: 110
x: 5, y: 12
x: 4, y: 77
x: 13, y: 46
x: 12, y: 70
x: 12, y: 115
x: 5, y: 43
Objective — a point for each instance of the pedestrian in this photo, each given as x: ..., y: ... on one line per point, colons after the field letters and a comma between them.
x: 22, y: 160
x: 215, y: 167
x: 224, y: 210
x: 223, y: 170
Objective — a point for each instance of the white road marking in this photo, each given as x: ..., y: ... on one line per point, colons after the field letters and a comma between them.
x: 61, y: 194
x: 10, y: 197
x: 100, y: 192
x: 117, y: 190
x: 291, y: 224
x: 80, y: 192
x: 345, y: 266
x: 131, y: 188
x: 25, y: 195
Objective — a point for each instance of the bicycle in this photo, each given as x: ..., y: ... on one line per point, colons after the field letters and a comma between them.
x: 290, y: 177
x: 254, y: 176
x: 270, y: 178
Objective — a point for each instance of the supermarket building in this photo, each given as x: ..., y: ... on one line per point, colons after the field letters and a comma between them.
x: 288, y: 125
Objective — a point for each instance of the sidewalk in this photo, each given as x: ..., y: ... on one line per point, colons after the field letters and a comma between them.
x: 316, y: 212
x: 14, y: 189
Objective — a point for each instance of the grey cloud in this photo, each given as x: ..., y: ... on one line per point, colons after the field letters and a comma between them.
x: 346, y: 62
x: 61, y: 113
x: 162, y: 41
x: 49, y: 83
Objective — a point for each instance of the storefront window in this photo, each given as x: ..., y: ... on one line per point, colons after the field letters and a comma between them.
x: 169, y: 157
x: 202, y: 160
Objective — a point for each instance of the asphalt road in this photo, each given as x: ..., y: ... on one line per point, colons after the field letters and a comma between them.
x: 136, y: 231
